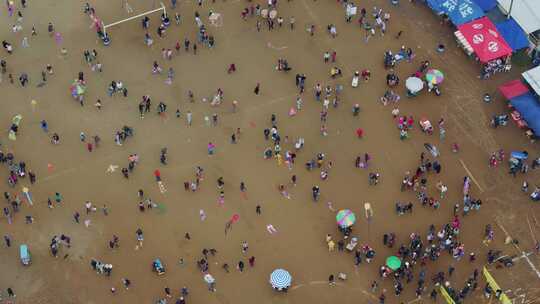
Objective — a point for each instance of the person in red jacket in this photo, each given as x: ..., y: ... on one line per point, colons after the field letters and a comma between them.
x: 359, y: 132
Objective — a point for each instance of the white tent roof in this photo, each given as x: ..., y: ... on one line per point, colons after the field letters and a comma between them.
x: 525, y: 12
x: 532, y: 77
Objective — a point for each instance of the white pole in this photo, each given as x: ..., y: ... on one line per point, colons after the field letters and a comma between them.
x: 134, y: 17
x: 164, y: 10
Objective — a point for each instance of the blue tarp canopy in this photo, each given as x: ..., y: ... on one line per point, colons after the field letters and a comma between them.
x: 486, y: 5
x: 435, y: 6
x: 513, y: 34
x: 459, y: 11
x: 529, y: 108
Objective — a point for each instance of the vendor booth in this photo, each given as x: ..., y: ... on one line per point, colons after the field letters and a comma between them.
x: 524, y: 106
x: 513, y: 89
x: 486, y: 5
x: 528, y: 107
x: 532, y: 77
x: 513, y: 34
x: 481, y: 38
x: 458, y: 11
x: 525, y: 12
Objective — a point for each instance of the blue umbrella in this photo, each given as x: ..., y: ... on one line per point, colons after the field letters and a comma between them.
x: 280, y: 278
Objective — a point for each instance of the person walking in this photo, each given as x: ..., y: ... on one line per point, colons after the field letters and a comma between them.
x: 331, y: 280
x: 126, y: 282
x: 257, y: 89
x: 7, y: 240
x: 11, y: 293
x: 189, y: 118
x: 44, y: 126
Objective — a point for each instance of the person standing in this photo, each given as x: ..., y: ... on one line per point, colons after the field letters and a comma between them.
x: 331, y: 280
x: 433, y: 295
x: 140, y: 238
x: 7, y: 239
x: 11, y: 293
x: 44, y: 126
x: 126, y: 282
x: 257, y: 89
x: 25, y: 43
x: 189, y: 118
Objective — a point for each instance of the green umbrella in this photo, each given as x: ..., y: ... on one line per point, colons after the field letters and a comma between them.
x: 393, y: 262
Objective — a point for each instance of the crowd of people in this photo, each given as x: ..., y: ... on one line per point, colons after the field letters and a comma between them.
x: 416, y: 253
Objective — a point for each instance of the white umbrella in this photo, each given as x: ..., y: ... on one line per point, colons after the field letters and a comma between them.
x: 414, y: 84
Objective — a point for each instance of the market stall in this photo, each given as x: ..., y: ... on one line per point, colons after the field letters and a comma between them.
x: 481, y: 38
x: 525, y: 12
x: 486, y: 5
x: 458, y: 11
x: 524, y: 106
x: 513, y: 34
x: 532, y: 77
x: 528, y: 107
x: 513, y: 89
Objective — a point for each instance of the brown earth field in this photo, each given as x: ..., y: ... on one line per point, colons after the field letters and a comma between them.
x: 302, y: 224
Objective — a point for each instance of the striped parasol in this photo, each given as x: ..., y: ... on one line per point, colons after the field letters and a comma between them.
x: 345, y: 218
x: 280, y: 278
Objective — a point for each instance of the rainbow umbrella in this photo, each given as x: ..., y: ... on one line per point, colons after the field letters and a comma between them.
x: 345, y: 218
x: 434, y: 76
x: 393, y: 262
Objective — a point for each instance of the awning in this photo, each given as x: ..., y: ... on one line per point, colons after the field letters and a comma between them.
x: 464, y: 43
x: 459, y: 11
x: 513, y: 34
x: 529, y: 108
x: 486, y: 5
x: 525, y: 12
x: 532, y: 77
x: 513, y: 89
x: 487, y: 42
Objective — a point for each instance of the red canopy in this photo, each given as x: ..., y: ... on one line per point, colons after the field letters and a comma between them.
x: 513, y: 89
x: 487, y: 42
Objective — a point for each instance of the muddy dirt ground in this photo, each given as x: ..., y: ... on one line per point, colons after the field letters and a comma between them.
x: 299, y: 245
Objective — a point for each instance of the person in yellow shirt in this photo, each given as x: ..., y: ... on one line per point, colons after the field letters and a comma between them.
x: 279, y: 159
x: 331, y: 245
